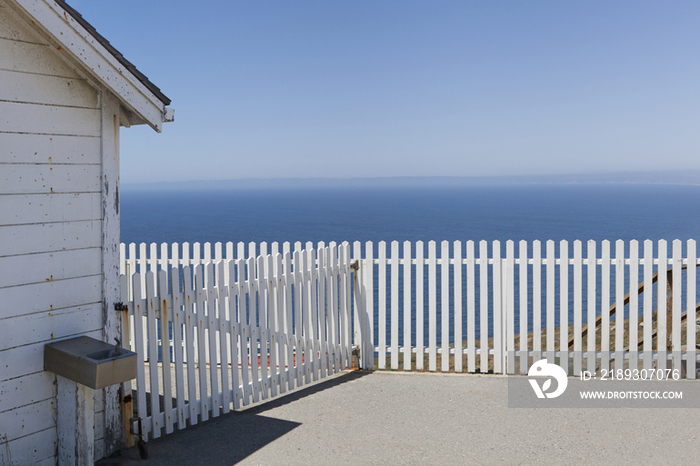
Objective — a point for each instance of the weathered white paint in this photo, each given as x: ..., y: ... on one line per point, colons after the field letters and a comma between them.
x: 48, y: 237
x: 49, y: 179
x: 533, y: 287
x: 51, y: 295
x: 36, y: 449
x: 59, y: 222
x: 109, y: 186
x: 75, y: 416
x: 30, y: 329
x: 33, y: 58
x: 44, y: 119
x: 49, y: 149
x: 34, y: 88
x: 33, y: 388
x: 51, y: 208
x: 44, y: 267
x: 245, y: 279
x: 77, y: 45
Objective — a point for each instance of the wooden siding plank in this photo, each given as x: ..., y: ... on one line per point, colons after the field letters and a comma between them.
x: 47, y: 208
x: 33, y: 58
x: 28, y: 389
x: 49, y: 149
x: 49, y: 179
x: 46, y: 119
x: 28, y: 419
x: 49, y: 325
x: 32, y: 448
x: 28, y: 359
x: 45, y: 267
x: 57, y: 294
x: 51, y: 237
x: 13, y: 27
x: 47, y: 90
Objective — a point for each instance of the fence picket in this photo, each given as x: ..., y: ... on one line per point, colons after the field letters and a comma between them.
x: 222, y: 343
x: 677, y: 308
x: 497, y: 309
x: 381, y: 287
x: 234, y: 330
x: 509, y: 307
x: 578, y: 307
x: 138, y: 307
x: 165, y: 300
x: 605, y: 304
x: 564, y: 306
x: 445, y: 305
x: 619, y: 306
x: 662, y: 304
x: 274, y: 322
x: 536, y: 301
x: 471, y: 316
x: 691, y: 322
x: 591, y: 305
x: 484, y: 307
x: 432, y: 311
x: 420, y: 306
x: 152, y: 326
x: 394, y: 267
x: 407, y: 306
x: 634, y: 305
x: 549, y: 269
x: 459, y: 354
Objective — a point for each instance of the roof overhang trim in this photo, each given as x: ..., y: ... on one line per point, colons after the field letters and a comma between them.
x: 71, y: 39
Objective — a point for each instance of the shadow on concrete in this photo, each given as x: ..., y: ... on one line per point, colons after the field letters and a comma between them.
x: 228, y: 439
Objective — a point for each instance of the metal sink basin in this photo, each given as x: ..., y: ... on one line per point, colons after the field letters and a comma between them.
x: 90, y: 362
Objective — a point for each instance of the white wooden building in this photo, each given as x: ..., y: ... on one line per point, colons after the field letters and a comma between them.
x: 64, y: 94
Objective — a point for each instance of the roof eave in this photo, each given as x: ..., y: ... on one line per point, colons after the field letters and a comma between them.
x: 72, y: 40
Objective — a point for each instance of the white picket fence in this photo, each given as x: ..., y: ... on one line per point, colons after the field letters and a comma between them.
x: 505, y: 312
x: 465, y: 306
x: 213, y: 334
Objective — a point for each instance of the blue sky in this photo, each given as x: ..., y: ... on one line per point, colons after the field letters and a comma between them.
x: 387, y: 88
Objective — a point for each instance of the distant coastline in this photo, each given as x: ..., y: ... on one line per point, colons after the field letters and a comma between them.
x: 684, y: 177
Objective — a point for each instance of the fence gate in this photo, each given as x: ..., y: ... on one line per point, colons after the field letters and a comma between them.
x: 216, y: 335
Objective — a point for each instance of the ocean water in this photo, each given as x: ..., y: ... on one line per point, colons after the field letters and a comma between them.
x: 506, y: 212
x: 489, y: 213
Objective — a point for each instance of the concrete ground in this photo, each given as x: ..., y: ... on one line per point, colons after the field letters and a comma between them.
x: 384, y: 418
